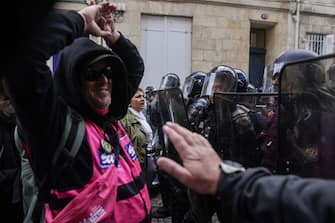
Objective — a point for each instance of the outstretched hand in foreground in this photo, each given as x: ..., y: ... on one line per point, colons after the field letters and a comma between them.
x: 200, y: 170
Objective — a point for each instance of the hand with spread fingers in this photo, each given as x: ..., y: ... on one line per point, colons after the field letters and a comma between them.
x: 200, y: 170
x: 97, y: 17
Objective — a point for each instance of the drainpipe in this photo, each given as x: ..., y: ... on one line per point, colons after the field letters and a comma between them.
x: 297, y: 25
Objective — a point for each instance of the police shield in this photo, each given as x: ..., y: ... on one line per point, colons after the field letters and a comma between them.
x: 221, y: 136
x: 172, y: 108
x: 307, y: 118
x: 246, y: 127
x: 152, y: 150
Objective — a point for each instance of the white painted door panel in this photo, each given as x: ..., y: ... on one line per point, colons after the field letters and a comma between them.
x: 165, y: 48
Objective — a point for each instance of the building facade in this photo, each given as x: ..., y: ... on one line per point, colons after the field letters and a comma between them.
x: 183, y: 36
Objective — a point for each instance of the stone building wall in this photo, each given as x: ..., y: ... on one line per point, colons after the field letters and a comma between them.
x: 221, y: 28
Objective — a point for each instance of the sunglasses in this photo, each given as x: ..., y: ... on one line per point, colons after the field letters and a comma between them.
x: 94, y: 73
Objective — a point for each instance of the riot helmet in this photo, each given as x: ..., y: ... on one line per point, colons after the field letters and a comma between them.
x: 149, y: 93
x: 242, y: 83
x: 221, y: 78
x: 251, y: 88
x: 193, y: 84
x: 272, y: 71
x: 149, y: 89
x: 293, y: 55
x: 169, y: 80
x: 304, y: 75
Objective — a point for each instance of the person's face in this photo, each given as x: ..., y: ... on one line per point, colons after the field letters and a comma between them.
x: 275, y: 83
x: 216, y: 88
x: 292, y: 80
x: 137, y: 101
x: 96, y: 87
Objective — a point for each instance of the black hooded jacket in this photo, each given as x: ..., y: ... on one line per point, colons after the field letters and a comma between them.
x: 41, y: 99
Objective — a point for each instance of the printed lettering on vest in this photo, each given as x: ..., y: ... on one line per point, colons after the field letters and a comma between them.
x: 106, y: 159
x: 95, y: 215
x: 131, y: 151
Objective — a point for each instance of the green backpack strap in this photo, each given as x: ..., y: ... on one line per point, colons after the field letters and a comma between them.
x: 29, y: 188
x: 33, y: 198
x: 72, y: 147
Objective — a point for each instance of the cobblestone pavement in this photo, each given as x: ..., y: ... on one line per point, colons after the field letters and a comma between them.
x: 156, y: 202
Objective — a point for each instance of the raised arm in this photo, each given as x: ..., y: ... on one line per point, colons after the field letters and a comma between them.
x: 127, y: 52
x: 39, y: 108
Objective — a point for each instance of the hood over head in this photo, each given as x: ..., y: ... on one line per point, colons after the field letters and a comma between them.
x: 73, y: 60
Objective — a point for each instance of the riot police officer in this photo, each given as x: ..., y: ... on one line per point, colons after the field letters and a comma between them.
x: 192, y: 86
x: 169, y: 80
x: 306, y: 107
x: 201, y: 113
x: 148, y: 100
x: 219, y: 118
x: 174, y: 194
x: 242, y: 80
x: 248, y: 124
x: 223, y: 122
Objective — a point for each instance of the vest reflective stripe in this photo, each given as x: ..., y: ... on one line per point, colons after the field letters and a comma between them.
x: 128, y: 190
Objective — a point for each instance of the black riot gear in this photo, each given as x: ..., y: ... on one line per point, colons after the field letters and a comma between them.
x: 196, y: 112
x: 193, y: 85
x: 251, y: 88
x: 300, y: 77
x: 272, y: 71
x: 299, y: 113
x: 221, y: 78
x: 169, y: 80
x: 149, y: 89
x: 243, y: 85
x: 305, y: 115
x: 171, y: 107
x: 290, y: 56
x: 223, y: 122
x: 243, y: 82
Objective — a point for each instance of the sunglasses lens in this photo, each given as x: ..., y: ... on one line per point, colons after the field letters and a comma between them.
x: 108, y: 72
x: 93, y: 74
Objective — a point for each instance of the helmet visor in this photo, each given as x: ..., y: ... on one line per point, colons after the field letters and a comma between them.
x: 219, y: 82
x: 169, y: 81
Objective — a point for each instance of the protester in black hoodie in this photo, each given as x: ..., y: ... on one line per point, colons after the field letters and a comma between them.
x: 104, y: 181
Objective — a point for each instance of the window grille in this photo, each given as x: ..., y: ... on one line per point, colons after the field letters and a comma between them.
x: 320, y: 43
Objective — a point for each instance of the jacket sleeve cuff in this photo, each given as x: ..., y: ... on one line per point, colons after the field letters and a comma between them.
x: 226, y: 185
x: 120, y: 44
x: 230, y: 186
x: 78, y: 23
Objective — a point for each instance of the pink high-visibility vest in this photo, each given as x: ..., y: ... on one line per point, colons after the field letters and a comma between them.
x: 113, y: 194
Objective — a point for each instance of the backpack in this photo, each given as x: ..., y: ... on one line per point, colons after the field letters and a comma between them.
x: 35, y: 196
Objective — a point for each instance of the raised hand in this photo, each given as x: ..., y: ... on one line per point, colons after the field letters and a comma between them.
x: 96, y: 17
x: 200, y: 170
x: 110, y: 34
